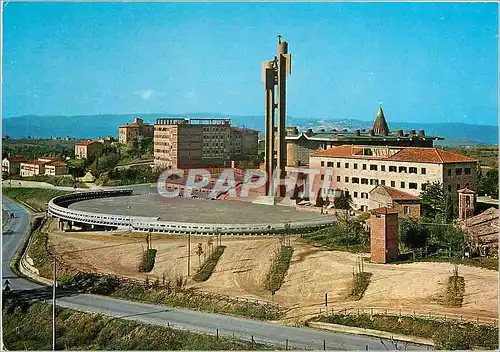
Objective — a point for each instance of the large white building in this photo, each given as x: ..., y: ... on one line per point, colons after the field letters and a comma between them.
x: 359, y: 169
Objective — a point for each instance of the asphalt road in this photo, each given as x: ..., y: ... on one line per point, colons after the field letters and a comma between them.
x: 301, y: 338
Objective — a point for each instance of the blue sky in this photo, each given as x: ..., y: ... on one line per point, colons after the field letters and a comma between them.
x: 426, y: 62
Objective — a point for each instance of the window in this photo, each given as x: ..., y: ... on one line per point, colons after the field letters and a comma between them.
x: 329, y: 164
x: 382, y: 182
x: 458, y: 171
x: 338, y: 165
x: 338, y: 178
x: 322, y: 163
x: 406, y: 210
x: 467, y: 170
x: 346, y: 165
x: 364, y: 181
x: 402, y: 185
x: 373, y: 167
x: 393, y: 169
x: 322, y: 177
x: 364, y: 166
x: 355, y: 180
x: 355, y: 165
x: 402, y: 169
x: 449, y: 172
x: 423, y: 171
x: 412, y: 185
x: 382, y: 167
x: 393, y: 183
x: 424, y: 186
x: 346, y: 193
x: 355, y: 194
x: 413, y: 170
x: 373, y: 181
x: 346, y: 179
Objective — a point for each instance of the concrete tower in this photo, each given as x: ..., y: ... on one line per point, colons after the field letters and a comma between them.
x: 274, y: 74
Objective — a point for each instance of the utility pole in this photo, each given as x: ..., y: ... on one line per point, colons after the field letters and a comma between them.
x: 54, y: 306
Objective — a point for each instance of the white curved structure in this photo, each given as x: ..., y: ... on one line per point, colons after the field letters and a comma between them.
x: 58, y: 207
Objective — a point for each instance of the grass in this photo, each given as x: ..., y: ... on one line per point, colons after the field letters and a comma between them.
x: 359, y: 285
x: 169, y: 294
x: 64, y: 181
x: 27, y: 326
x: 445, y: 334
x: 36, y: 198
x: 278, y: 269
x: 334, y: 239
x: 479, y: 262
x: 207, y: 268
x: 148, y: 261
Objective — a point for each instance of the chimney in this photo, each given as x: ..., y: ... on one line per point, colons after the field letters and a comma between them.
x: 370, y: 132
x: 421, y: 133
x: 400, y: 133
x: 357, y: 132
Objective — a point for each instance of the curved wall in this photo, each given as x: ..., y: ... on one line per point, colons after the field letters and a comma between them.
x: 58, y: 207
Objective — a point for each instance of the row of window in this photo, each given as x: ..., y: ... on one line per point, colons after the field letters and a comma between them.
x: 458, y: 171
x: 374, y: 167
x: 375, y: 182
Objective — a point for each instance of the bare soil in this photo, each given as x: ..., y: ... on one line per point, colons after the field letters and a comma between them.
x: 313, y: 272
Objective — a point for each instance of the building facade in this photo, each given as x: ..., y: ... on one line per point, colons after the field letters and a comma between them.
x: 134, y: 131
x: 12, y: 165
x: 32, y: 168
x: 204, y: 142
x: 56, y: 168
x: 300, y: 145
x: 357, y: 170
x: 86, y: 149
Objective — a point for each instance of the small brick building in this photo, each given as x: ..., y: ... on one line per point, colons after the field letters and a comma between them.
x: 408, y: 205
x: 383, y: 235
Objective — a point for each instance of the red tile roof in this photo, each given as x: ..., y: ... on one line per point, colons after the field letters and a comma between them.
x: 87, y: 142
x: 34, y: 162
x: 56, y: 163
x: 408, y: 154
x: 14, y: 159
x: 383, y: 211
x: 396, y: 194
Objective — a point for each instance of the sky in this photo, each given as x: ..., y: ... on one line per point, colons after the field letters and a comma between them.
x: 425, y: 62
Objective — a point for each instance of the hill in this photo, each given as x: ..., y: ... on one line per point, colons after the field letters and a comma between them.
x: 91, y: 126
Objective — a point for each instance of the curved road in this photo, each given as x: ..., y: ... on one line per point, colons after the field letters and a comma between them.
x: 301, y: 338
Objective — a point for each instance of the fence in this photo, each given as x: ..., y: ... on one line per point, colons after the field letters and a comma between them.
x: 356, y: 311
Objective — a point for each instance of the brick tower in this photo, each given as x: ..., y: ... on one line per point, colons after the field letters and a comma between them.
x: 383, y: 235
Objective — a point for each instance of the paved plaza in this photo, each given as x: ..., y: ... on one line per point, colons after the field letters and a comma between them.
x: 196, y: 210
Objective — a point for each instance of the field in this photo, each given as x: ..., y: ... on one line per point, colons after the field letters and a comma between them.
x: 242, y: 269
x: 35, y: 198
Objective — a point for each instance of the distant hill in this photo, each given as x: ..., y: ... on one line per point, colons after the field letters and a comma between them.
x: 91, y: 126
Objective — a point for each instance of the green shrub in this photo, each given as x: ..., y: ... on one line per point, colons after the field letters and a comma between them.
x: 359, y: 286
x: 278, y: 269
x: 207, y: 268
x: 148, y: 261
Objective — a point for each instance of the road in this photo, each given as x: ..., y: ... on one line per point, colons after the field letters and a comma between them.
x: 301, y: 338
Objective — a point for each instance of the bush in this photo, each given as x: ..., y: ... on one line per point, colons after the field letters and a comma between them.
x: 148, y: 261
x: 207, y: 268
x: 278, y: 269
x: 359, y: 285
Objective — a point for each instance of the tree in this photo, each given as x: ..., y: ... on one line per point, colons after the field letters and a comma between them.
x: 413, y: 234
x: 319, y: 200
x: 210, y: 243
x: 488, y: 183
x: 199, y: 252
x: 433, y: 201
x: 344, y: 201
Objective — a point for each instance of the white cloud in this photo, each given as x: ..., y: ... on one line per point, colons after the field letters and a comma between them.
x: 146, y: 94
